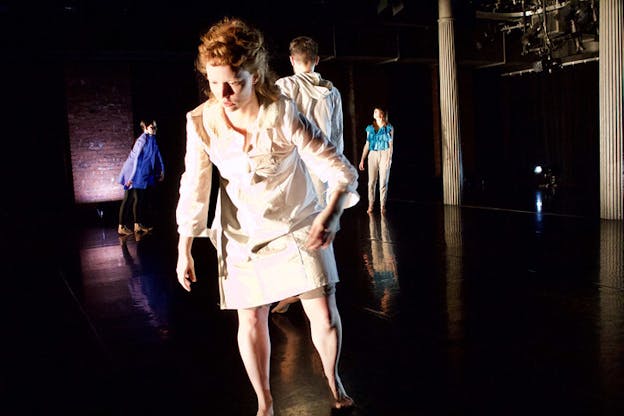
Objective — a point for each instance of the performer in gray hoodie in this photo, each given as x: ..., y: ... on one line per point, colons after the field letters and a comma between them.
x: 316, y: 98
x: 320, y: 102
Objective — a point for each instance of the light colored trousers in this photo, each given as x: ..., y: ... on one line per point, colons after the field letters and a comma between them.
x: 379, y: 162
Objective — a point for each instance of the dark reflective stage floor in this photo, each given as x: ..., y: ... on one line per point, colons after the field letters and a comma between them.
x: 446, y: 311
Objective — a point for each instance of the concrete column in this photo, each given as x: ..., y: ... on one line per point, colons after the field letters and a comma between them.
x: 611, y: 134
x: 453, y: 238
x: 449, y: 107
x: 611, y: 324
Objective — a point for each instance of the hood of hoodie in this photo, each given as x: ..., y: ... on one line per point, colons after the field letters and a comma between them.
x: 314, y: 85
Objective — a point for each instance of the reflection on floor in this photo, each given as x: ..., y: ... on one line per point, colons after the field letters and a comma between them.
x: 381, y: 265
x: 446, y: 311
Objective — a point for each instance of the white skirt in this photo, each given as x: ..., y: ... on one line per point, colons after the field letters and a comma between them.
x: 281, y: 268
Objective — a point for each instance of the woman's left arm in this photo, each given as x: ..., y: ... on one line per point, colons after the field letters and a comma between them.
x: 322, y: 157
x: 327, y: 223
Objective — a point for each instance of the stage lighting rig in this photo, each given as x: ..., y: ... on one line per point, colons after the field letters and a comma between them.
x: 548, y: 29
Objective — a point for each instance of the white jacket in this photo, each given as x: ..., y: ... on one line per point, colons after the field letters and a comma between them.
x: 319, y: 101
x: 266, y: 201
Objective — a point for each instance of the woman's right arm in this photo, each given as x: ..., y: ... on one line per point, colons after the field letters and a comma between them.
x: 364, y: 154
x: 192, y: 209
x: 185, y: 268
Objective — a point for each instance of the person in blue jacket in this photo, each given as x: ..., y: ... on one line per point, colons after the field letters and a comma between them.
x: 142, y: 169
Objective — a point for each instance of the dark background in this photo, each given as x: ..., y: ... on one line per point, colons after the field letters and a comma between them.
x: 508, y: 123
x: 509, y: 309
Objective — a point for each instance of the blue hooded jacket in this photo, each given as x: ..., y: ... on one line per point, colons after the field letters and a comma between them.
x: 144, y: 164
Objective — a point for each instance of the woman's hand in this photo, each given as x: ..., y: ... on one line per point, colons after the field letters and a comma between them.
x: 327, y: 223
x: 186, y: 271
x: 364, y: 154
x: 185, y: 268
x: 323, y: 231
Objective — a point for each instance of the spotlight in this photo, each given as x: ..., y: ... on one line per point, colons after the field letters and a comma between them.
x: 545, y: 178
x: 538, y: 202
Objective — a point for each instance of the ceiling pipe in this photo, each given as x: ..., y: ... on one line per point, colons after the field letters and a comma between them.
x: 513, y: 16
x: 569, y: 63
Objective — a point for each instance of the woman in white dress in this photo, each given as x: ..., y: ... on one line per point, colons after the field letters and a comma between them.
x: 273, y: 238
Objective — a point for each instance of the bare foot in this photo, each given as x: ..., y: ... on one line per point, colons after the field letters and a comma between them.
x: 265, y: 402
x: 265, y: 409
x: 344, y: 402
x: 265, y: 412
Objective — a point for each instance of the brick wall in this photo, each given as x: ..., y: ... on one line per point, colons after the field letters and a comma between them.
x: 99, y: 113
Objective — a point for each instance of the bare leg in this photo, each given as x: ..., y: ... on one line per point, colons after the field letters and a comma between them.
x: 326, y: 331
x: 254, y: 345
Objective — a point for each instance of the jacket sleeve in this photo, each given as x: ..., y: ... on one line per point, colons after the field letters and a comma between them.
x: 321, y: 156
x: 134, y: 154
x: 160, y: 165
x: 337, y: 123
x: 195, y: 183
